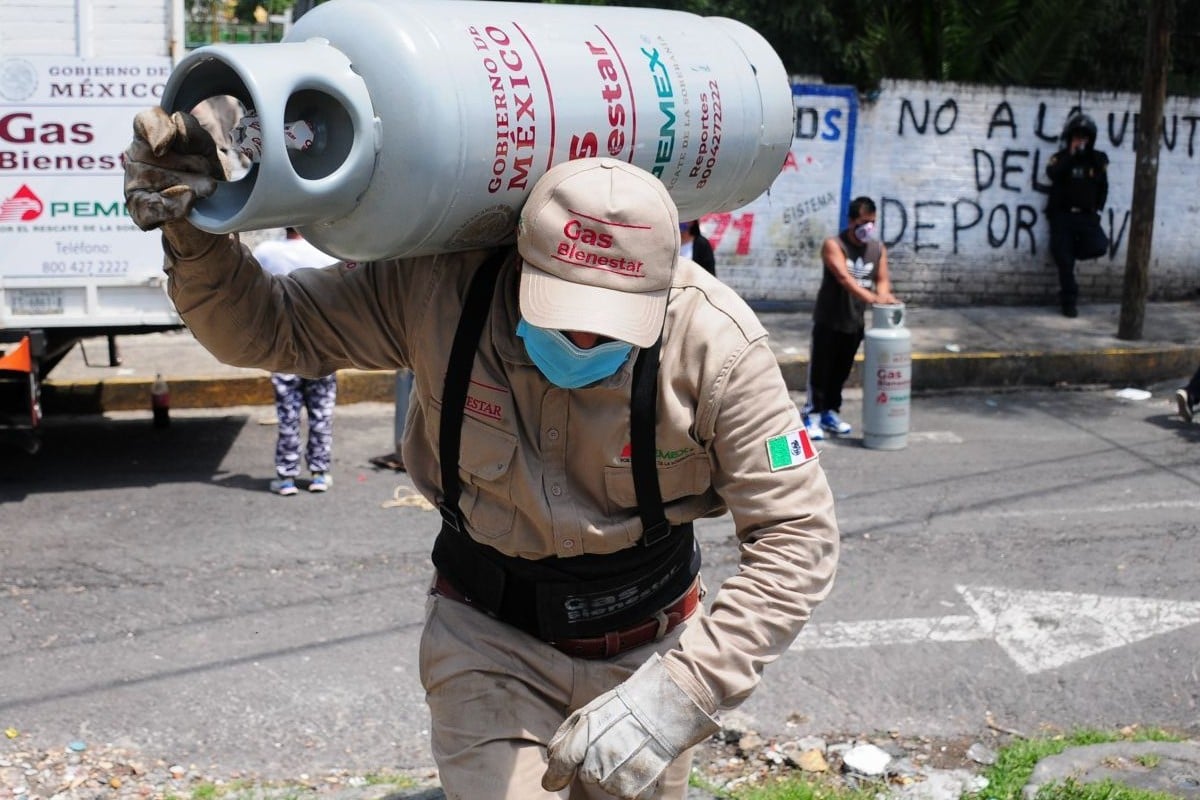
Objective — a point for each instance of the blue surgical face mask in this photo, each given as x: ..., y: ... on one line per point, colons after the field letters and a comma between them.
x: 568, y: 366
x: 865, y: 232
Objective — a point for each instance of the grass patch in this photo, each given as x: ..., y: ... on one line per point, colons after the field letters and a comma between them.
x: 785, y: 789
x: 1103, y: 790
x: 387, y: 779
x: 1015, y: 763
x: 1005, y: 779
x: 283, y: 790
x: 206, y: 791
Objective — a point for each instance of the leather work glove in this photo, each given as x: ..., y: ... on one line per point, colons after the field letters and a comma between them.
x: 625, y: 738
x: 171, y: 162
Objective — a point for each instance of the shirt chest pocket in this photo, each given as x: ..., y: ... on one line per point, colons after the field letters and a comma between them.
x: 687, y: 477
x: 485, y: 468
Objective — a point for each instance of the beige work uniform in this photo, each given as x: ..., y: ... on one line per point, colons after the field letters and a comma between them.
x: 546, y: 472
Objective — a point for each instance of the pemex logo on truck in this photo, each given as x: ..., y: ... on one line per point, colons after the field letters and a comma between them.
x: 24, y: 206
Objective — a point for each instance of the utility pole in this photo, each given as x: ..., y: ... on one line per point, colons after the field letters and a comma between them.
x: 1159, y: 27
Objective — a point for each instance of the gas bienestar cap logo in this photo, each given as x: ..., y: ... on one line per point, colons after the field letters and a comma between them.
x: 599, y: 239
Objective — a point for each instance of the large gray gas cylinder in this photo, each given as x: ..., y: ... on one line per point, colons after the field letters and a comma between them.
x: 887, y: 379
x: 432, y: 119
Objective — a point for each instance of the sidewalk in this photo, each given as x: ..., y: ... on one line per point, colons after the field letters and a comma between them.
x: 953, y: 348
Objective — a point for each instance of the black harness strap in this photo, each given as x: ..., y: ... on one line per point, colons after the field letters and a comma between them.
x: 641, y: 434
x: 458, y: 378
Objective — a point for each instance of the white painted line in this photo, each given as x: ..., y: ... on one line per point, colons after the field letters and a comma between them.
x: 1038, y: 630
x: 879, y: 632
x: 852, y: 522
x: 1045, y: 630
x: 935, y: 437
x: 1114, y: 508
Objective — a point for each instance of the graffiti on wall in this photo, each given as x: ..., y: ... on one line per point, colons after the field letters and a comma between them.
x: 770, y: 248
x: 1004, y: 155
x: 958, y: 173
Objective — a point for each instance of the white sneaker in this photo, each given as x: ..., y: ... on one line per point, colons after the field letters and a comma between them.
x: 321, y: 481
x: 831, y: 422
x: 1184, y: 404
x: 283, y: 486
x: 815, y: 434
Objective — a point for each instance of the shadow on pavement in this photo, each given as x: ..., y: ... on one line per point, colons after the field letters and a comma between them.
x: 1188, y: 431
x: 84, y: 452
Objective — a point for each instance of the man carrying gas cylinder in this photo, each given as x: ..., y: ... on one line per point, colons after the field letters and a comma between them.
x: 580, y: 400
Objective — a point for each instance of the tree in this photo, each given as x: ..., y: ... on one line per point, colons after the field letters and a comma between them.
x: 1076, y: 44
x: 244, y: 10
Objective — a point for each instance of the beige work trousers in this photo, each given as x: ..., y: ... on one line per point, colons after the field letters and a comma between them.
x: 497, y: 695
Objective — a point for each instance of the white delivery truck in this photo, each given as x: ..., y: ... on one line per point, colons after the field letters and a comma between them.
x: 72, y: 264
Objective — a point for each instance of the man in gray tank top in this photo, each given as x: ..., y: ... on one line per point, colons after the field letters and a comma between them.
x: 855, y: 276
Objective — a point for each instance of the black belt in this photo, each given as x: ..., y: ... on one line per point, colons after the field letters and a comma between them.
x: 611, y: 643
x: 569, y: 598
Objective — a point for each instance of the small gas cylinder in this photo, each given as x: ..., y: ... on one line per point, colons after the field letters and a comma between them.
x: 887, y: 379
x: 431, y: 120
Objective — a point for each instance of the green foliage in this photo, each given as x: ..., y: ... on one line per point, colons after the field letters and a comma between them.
x: 1096, y: 45
x: 1015, y: 763
x: 1078, y: 44
x: 245, y: 8
x: 1104, y: 790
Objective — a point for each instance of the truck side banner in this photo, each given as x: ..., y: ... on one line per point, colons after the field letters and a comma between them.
x: 64, y: 123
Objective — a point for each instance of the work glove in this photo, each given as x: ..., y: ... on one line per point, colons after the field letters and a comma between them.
x: 171, y: 163
x: 625, y: 738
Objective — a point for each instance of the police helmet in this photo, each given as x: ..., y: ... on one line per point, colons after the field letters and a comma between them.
x: 1080, y: 124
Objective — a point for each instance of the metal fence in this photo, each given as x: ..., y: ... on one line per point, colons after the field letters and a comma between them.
x: 199, y: 34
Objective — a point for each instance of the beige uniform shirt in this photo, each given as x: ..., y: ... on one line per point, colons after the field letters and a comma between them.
x: 546, y: 471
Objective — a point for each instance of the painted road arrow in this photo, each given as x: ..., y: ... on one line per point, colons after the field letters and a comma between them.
x: 1038, y: 630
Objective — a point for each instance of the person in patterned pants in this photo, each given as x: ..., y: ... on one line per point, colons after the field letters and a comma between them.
x: 318, y: 396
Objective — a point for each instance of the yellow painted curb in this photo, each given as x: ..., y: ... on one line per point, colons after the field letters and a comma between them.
x: 930, y: 371
x: 133, y: 394
x: 1116, y: 366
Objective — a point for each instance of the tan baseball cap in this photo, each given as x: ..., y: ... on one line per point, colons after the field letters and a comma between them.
x: 600, y: 239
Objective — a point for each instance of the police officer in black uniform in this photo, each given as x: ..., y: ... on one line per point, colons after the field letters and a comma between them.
x: 1079, y: 188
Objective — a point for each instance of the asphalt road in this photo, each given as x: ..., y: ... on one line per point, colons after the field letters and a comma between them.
x: 1030, y: 554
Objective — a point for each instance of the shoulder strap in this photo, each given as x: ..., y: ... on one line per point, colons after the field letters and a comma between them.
x: 643, y: 407
x: 458, y: 377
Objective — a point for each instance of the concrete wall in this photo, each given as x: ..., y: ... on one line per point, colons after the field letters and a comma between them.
x: 958, y: 173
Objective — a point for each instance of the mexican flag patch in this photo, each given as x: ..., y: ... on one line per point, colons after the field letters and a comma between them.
x: 790, y: 450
